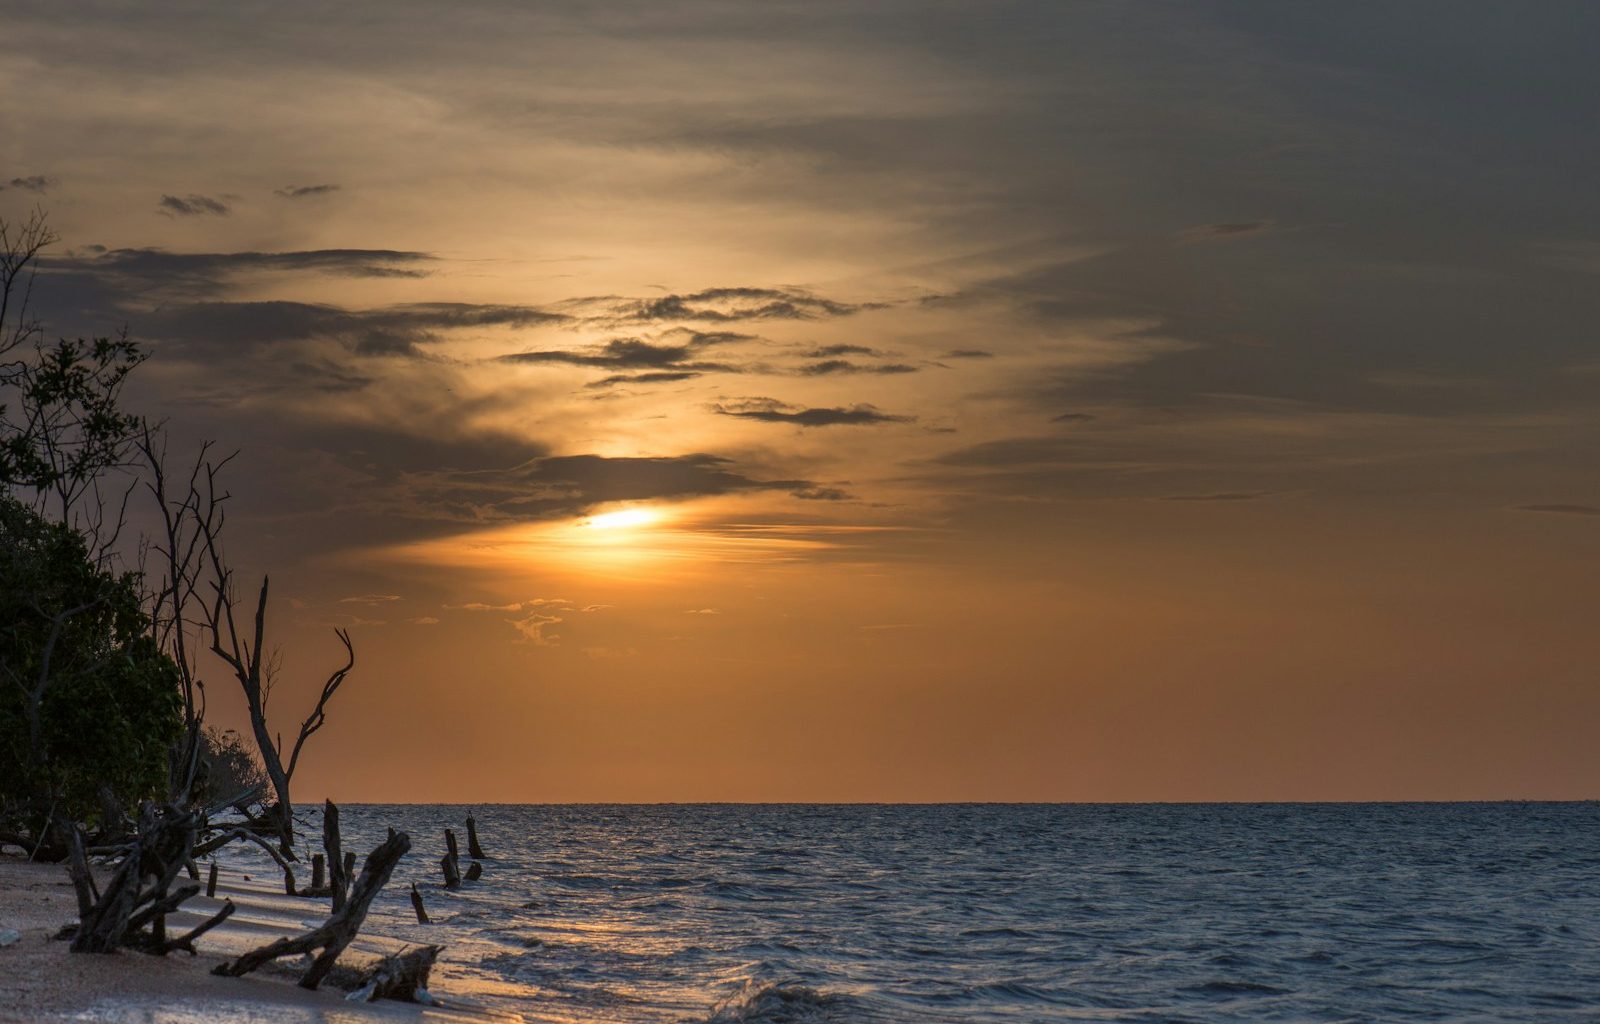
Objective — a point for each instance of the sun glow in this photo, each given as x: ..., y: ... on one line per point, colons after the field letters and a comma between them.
x: 622, y: 519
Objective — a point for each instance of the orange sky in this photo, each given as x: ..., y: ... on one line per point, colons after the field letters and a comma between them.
x: 762, y: 402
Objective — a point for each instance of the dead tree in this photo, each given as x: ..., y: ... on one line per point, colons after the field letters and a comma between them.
x: 338, y: 931
x: 242, y: 649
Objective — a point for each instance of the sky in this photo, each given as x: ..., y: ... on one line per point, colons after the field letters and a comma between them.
x: 895, y: 401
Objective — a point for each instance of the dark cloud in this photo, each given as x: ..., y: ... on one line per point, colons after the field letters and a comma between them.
x: 821, y: 494
x: 771, y: 410
x: 668, y: 362
x: 843, y: 366
x: 653, y: 377
x: 193, y: 206
x: 830, y: 351
x: 304, y: 191
x: 387, y: 330
x: 129, y: 277
x: 730, y: 304
x: 1571, y: 510
x: 1072, y: 417
x: 33, y: 183
x: 968, y: 353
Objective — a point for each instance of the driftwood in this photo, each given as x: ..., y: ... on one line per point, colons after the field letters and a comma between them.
x: 132, y: 910
x: 474, y: 872
x: 403, y: 976
x: 416, y: 904
x: 452, y: 876
x: 211, y: 881
x: 318, y: 871
x: 473, y: 849
x: 333, y: 935
x: 450, y: 842
x: 338, y: 862
x: 219, y: 840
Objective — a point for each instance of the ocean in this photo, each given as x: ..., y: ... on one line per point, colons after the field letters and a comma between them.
x: 1011, y: 913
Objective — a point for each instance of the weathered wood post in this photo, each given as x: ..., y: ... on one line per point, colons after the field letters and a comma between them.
x: 474, y: 871
x: 349, y: 867
x: 318, y: 870
x: 416, y: 904
x: 452, y: 877
x: 473, y: 849
x: 339, y: 863
x: 211, y: 881
x: 450, y: 841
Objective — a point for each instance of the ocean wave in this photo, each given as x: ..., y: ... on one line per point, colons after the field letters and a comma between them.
x: 783, y: 1004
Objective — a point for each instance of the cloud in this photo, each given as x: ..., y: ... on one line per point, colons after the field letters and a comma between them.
x: 771, y: 410
x: 33, y: 183
x: 829, y: 351
x: 558, y: 603
x: 1571, y: 510
x: 1231, y: 229
x: 424, y: 620
x: 384, y: 331
x: 1072, y: 417
x: 193, y: 206
x: 304, y: 191
x: 653, y: 377
x: 829, y: 367
x: 133, y: 273
x: 821, y: 494
x: 968, y: 353
x: 532, y: 628
x: 623, y: 353
x: 370, y: 599
x: 701, y: 611
x: 720, y: 305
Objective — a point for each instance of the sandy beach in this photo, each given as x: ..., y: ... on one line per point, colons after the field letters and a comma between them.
x: 40, y: 980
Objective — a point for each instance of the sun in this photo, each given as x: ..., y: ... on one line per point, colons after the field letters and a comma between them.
x: 621, y: 519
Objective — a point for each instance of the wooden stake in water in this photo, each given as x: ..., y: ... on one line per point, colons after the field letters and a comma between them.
x: 473, y: 849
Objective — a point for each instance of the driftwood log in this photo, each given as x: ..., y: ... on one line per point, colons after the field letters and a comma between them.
x: 473, y: 849
x: 333, y: 935
x: 131, y: 912
x: 403, y: 976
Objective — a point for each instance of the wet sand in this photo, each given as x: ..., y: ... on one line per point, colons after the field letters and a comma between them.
x: 40, y: 980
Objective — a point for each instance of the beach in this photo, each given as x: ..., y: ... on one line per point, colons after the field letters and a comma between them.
x: 40, y: 980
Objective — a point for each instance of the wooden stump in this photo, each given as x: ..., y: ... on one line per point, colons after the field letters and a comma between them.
x: 450, y: 841
x: 473, y: 849
x: 416, y: 904
x: 339, y: 863
x: 211, y: 881
x: 403, y: 976
x: 452, y: 877
x: 474, y: 871
x: 318, y: 870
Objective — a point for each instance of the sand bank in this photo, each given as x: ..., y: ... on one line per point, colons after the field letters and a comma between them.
x: 41, y: 981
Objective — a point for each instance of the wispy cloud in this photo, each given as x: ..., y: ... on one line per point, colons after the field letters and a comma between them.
x: 193, y: 205
x: 770, y: 410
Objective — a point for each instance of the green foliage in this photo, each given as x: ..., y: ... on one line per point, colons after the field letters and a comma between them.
x: 66, y: 427
x: 89, y: 704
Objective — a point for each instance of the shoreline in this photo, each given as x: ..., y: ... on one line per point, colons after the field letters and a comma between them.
x: 43, y: 981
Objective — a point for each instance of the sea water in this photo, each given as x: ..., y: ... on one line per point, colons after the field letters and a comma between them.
x: 1014, y: 913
